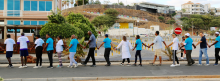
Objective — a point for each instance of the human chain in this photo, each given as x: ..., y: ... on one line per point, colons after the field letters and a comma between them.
x: 185, y: 46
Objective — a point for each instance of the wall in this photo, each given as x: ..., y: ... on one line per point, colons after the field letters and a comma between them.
x: 29, y: 35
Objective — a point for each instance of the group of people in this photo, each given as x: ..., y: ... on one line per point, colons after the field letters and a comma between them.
x: 39, y: 45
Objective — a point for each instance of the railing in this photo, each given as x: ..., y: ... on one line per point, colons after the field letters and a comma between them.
x: 20, y: 13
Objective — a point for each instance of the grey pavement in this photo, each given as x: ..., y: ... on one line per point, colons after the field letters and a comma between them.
x: 103, y: 71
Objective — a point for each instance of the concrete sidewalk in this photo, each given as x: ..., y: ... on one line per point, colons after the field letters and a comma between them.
x: 114, y: 72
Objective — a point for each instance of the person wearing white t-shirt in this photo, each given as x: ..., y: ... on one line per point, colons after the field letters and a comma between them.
x: 59, y: 50
x: 23, y: 41
x: 9, y: 42
x: 38, y: 45
x: 175, y: 45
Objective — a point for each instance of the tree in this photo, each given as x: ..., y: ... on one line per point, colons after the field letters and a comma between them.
x: 171, y: 21
x: 57, y: 26
x: 183, y: 10
x: 97, y: 2
x: 80, y: 2
x: 114, y: 3
x: 112, y: 12
x: 184, y: 18
x: 161, y: 18
x: 212, y: 13
x: 79, y: 21
x: 186, y: 25
x: 207, y: 19
x: 214, y: 23
x: 121, y: 3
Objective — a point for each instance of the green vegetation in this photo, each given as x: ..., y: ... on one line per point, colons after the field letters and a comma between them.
x: 74, y: 24
x: 200, y: 21
x: 80, y: 2
x: 171, y: 22
x: 97, y: 2
x: 161, y: 18
x: 105, y: 21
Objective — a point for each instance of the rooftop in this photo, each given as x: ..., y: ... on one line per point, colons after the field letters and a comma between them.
x: 155, y: 4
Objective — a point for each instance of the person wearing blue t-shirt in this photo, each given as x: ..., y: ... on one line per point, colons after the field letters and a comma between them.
x: 138, y: 46
x: 49, y: 47
x: 217, y: 48
x: 188, y: 47
x: 107, y: 44
x: 72, y: 49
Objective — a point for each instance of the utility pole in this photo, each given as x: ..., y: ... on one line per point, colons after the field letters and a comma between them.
x: 83, y: 2
x: 118, y: 1
x: 192, y: 28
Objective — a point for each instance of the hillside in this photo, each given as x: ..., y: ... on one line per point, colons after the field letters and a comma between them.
x: 151, y: 17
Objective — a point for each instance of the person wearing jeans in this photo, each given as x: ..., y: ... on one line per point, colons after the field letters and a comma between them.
x: 188, y: 47
x: 92, y: 46
x: 72, y: 49
x: 138, y: 46
x: 38, y: 45
x: 217, y: 48
x: 49, y: 47
x: 203, y: 49
x: 175, y: 46
x: 107, y: 44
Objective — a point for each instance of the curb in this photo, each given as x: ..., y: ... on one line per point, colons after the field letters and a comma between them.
x: 125, y: 78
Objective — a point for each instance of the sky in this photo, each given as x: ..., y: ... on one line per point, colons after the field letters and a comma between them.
x: 176, y: 3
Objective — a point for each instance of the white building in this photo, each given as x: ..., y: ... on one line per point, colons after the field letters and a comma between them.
x: 195, y: 8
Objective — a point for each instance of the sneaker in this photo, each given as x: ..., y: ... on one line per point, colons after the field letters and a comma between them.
x: 172, y: 65
x: 177, y: 64
x: 122, y: 64
x: 215, y: 65
x: 182, y: 58
x: 39, y: 66
x: 199, y: 64
x: 83, y: 64
x: 70, y: 66
x: 140, y: 65
x: 21, y: 67
x: 76, y: 65
x: 128, y: 64
x: 25, y: 66
x: 134, y: 65
x: 107, y: 65
x: 9, y: 66
x: 151, y: 64
x: 59, y: 66
x: 35, y: 67
x: 206, y: 64
x: 93, y: 66
x: 188, y: 65
x: 50, y: 67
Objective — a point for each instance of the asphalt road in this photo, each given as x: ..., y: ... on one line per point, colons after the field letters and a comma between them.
x: 103, y: 71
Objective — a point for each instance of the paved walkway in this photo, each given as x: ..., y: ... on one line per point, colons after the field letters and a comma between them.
x: 103, y: 71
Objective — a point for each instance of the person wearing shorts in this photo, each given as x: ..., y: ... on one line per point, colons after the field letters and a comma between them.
x: 23, y: 41
x: 9, y: 42
x: 158, y: 47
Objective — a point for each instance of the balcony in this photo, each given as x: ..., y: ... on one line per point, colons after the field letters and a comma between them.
x: 26, y: 14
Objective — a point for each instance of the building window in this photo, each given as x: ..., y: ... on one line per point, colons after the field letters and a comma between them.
x: 35, y: 22
x: 13, y: 22
x: 1, y: 4
x: 13, y: 7
x: 13, y: 31
x: 30, y: 5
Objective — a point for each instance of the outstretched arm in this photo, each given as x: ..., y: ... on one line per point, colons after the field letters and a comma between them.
x: 101, y: 45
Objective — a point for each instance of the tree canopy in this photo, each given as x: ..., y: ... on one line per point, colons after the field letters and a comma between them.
x: 97, y: 2
x: 80, y: 2
x: 200, y: 21
x: 75, y: 24
x: 79, y: 21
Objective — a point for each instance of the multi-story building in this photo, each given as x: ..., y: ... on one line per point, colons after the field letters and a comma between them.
x: 26, y: 16
x: 155, y: 8
x: 195, y: 8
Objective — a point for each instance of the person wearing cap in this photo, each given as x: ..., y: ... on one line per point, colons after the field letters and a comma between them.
x: 158, y: 47
x: 203, y: 49
x: 188, y: 47
x: 38, y: 45
x: 217, y: 48
x: 107, y: 44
